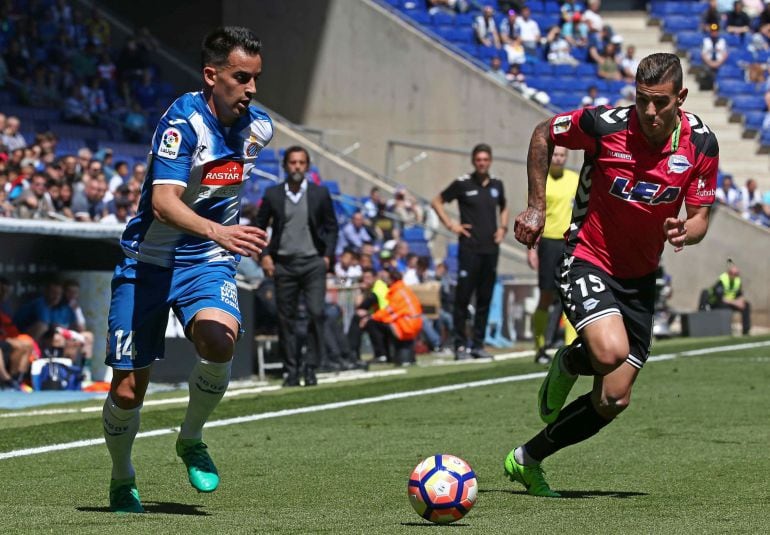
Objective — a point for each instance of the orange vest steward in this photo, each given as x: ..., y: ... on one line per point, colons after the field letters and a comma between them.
x: 403, y: 313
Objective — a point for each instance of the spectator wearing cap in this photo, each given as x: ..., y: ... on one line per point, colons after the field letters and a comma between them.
x: 714, y: 49
x: 738, y: 21
x: 711, y: 16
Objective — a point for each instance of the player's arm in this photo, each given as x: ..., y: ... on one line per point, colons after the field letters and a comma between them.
x: 689, y: 231
x: 529, y: 224
x: 168, y: 208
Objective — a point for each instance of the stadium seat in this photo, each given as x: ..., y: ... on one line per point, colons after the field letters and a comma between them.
x: 332, y: 186
x: 268, y: 155
x: 730, y: 88
x: 746, y: 103
x: 754, y: 120
x: 413, y: 234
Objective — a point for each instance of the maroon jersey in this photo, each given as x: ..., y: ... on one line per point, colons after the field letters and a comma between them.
x: 628, y: 188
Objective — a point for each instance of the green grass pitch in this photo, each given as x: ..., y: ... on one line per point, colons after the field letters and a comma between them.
x: 689, y: 456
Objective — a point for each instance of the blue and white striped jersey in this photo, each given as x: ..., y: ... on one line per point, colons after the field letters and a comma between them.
x: 192, y: 149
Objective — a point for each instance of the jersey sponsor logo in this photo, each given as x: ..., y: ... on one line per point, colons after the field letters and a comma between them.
x: 702, y: 191
x: 562, y: 124
x: 172, y: 122
x: 206, y: 192
x: 643, y: 192
x: 222, y: 173
x: 678, y: 163
x: 621, y: 155
x: 471, y: 193
x: 170, y: 141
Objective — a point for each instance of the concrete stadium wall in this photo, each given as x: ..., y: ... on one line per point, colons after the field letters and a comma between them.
x: 698, y: 267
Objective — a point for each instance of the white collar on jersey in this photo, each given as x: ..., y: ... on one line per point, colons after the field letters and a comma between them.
x: 295, y: 197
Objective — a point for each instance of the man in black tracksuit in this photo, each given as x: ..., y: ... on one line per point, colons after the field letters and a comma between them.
x: 480, y: 231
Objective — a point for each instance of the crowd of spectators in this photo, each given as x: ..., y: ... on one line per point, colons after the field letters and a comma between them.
x: 748, y: 200
x: 36, y: 184
x: 54, y: 54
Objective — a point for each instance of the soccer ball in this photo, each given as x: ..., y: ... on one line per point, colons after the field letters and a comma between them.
x: 442, y: 488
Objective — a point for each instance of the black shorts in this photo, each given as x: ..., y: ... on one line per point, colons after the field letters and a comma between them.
x: 549, y: 255
x: 589, y: 294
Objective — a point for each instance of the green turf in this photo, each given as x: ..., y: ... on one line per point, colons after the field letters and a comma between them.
x: 690, y: 456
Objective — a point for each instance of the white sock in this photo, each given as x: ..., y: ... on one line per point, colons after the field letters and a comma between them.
x: 208, y: 383
x: 522, y: 457
x: 120, y: 428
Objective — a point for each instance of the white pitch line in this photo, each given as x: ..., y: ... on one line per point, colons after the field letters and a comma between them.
x: 356, y: 402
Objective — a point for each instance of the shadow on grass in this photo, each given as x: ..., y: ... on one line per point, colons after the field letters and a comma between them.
x: 166, y: 508
x: 577, y: 493
x: 427, y: 524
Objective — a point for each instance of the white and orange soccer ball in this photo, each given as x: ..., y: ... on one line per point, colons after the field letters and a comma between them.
x: 442, y: 488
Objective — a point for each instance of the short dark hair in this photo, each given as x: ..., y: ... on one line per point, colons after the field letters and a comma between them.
x: 292, y: 149
x: 219, y: 42
x: 660, y: 68
x: 481, y: 147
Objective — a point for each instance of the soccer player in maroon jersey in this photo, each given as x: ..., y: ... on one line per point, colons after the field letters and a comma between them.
x: 641, y: 163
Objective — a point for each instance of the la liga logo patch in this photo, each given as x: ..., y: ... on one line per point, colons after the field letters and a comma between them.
x: 170, y: 141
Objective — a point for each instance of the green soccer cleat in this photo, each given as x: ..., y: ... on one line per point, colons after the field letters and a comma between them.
x: 124, y: 497
x: 201, y: 471
x: 555, y: 389
x: 529, y: 476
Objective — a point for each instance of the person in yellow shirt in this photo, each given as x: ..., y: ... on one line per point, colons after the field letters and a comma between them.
x: 559, y: 195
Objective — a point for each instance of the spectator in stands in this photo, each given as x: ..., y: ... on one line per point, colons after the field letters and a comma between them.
x: 405, y: 207
x: 764, y: 21
x: 400, y: 255
x: 629, y: 64
x: 515, y: 51
x: 89, y: 205
x: 347, y: 269
x: 132, y: 61
x: 121, y: 215
x: 575, y: 31
x: 750, y: 195
x: 12, y: 137
x: 135, y: 124
x: 98, y: 28
x: 608, y: 68
x: 75, y: 108
x: 353, y: 234
x: 508, y: 29
x: 384, y: 225
x: 592, y: 18
x: 6, y: 208
x: 486, y: 28
x: 738, y: 22
x: 711, y: 16
x: 627, y: 97
x: 516, y: 78
x: 758, y: 214
x: 72, y: 298
x: 529, y: 30
x: 559, y: 49
x: 372, y: 205
x: 496, y: 71
x: 447, y: 6
x: 93, y: 97
x: 597, y: 42
x: 34, y: 202
x: 593, y: 98
x: 727, y: 194
x: 48, y: 310
x: 146, y: 93
x: 727, y: 292
x: 714, y: 50
x: 138, y: 173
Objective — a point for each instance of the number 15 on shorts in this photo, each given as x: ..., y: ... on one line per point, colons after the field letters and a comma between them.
x: 124, y: 344
x: 596, y: 285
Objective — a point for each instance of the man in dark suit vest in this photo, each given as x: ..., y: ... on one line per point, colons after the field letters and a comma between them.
x: 299, y: 254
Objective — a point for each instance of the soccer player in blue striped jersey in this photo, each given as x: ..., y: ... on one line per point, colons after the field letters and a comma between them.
x: 181, y: 252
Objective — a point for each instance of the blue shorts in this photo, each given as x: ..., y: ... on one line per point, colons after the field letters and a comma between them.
x: 143, y: 294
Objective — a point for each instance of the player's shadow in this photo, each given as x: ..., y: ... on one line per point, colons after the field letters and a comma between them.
x: 427, y: 524
x: 166, y: 508
x: 578, y: 494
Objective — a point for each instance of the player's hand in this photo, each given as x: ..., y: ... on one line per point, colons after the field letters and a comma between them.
x: 267, y: 265
x: 460, y: 230
x: 676, y: 232
x: 532, y: 259
x: 244, y: 240
x: 499, y: 235
x: 528, y: 226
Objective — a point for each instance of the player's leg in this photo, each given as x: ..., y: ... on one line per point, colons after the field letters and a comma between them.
x: 136, y: 326
x: 486, y: 276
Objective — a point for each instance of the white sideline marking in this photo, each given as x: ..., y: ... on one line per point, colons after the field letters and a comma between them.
x: 356, y: 402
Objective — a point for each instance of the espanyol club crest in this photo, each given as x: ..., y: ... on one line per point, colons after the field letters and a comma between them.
x: 494, y: 193
x: 678, y: 163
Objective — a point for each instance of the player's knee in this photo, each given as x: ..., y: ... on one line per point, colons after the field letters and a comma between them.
x: 608, y: 357
x: 609, y: 406
x: 217, y: 347
x: 125, y: 396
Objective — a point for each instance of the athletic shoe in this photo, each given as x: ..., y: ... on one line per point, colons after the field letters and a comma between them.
x: 541, y: 357
x: 481, y: 353
x: 201, y: 471
x: 555, y: 389
x: 531, y: 476
x: 124, y: 497
x: 462, y: 353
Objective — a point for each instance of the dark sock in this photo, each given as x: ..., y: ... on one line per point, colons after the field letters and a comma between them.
x: 577, y: 360
x: 576, y: 422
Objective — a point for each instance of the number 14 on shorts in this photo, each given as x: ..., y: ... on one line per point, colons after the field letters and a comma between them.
x: 124, y: 344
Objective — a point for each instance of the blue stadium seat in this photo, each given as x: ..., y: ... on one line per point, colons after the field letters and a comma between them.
x: 730, y: 72
x: 332, y: 186
x: 746, y: 103
x: 676, y: 23
x: 730, y: 88
x: 754, y: 120
x: 688, y: 40
x: 269, y: 168
x: 443, y: 18
x: 268, y: 155
x: 418, y: 16
x: 413, y: 234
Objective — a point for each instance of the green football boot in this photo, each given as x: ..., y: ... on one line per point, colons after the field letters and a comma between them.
x: 555, y: 389
x: 124, y: 497
x: 201, y: 471
x: 529, y: 476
